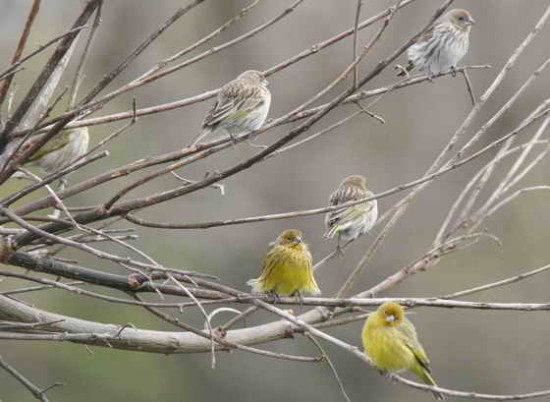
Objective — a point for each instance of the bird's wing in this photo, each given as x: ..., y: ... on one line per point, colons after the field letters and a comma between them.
x: 427, y: 35
x: 408, y: 333
x: 234, y: 100
x: 270, y: 261
x: 57, y: 142
x: 347, y: 194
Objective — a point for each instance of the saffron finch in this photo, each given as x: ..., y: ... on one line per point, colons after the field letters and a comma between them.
x: 390, y: 341
x: 287, y: 268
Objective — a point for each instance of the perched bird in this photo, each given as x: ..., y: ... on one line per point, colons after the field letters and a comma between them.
x: 60, y: 151
x: 441, y: 48
x: 287, y: 268
x: 242, y: 106
x: 390, y: 341
x: 64, y: 148
x: 351, y: 222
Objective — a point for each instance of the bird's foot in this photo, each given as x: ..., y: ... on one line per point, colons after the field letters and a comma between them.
x: 63, y: 183
x: 339, y: 250
x: 273, y: 297
x: 233, y: 139
x: 299, y: 298
x: 401, y: 71
x: 453, y: 71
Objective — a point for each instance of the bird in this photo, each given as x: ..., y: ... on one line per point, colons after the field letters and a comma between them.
x: 351, y: 222
x: 287, y: 268
x: 441, y: 48
x: 60, y: 151
x: 242, y: 106
x: 390, y: 341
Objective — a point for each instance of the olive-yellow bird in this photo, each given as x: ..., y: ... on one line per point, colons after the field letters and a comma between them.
x: 287, y: 268
x: 390, y: 341
x: 67, y: 146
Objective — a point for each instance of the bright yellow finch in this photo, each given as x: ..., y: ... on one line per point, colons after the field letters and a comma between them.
x: 390, y: 341
x: 287, y: 269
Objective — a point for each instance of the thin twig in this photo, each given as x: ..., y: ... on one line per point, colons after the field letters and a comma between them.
x: 38, y: 393
x: 5, y: 84
x: 79, y: 75
x: 330, y: 364
x: 355, y: 44
x: 469, y: 86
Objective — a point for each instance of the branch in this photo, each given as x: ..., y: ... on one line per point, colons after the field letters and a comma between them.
x: 5, y: 84
x: 38, y: 393
x: 48, y: 70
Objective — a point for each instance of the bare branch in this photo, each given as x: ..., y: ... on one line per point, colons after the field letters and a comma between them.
x: 5, y: 84
x: 39, y: 394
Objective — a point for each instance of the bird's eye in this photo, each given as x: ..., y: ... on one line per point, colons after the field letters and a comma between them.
x: 461, y: 18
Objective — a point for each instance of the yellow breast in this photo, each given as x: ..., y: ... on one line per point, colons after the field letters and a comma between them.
x: 287, y: 271
x: 386, y: 348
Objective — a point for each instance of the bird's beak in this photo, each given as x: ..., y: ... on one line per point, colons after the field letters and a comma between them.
x: 471, y: 21
x: 297, y: 240
x: 390, y: 318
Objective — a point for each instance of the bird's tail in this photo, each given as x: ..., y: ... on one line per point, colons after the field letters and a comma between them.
x: 255, y: 285
x: 331, y: 232
x: 205, y: 131
x: 406, y: 70
x: 311, y: 287
x: 428, y: 379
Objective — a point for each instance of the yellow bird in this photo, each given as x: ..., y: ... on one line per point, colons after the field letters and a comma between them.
x: 287, y: 268
x: 390, y: 341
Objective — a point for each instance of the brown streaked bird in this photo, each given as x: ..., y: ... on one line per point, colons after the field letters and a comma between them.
x: 441, y: 48
x: 242, y: 106
x: 351, y: 222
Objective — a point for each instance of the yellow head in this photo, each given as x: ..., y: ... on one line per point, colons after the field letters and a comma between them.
x: 253, y: 77
x: 461, y: 19
x: 290, y: 238
x: 390, y: 314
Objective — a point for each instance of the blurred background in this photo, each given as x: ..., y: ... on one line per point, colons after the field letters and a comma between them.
x: 491, y: 352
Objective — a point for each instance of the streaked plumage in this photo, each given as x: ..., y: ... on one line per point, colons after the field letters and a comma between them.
x: 390, y: 341
x: 287, y: 268
x: 61, y: 150
x: 241, y: 107
x: 441, y: 48
x: 354, y: 221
